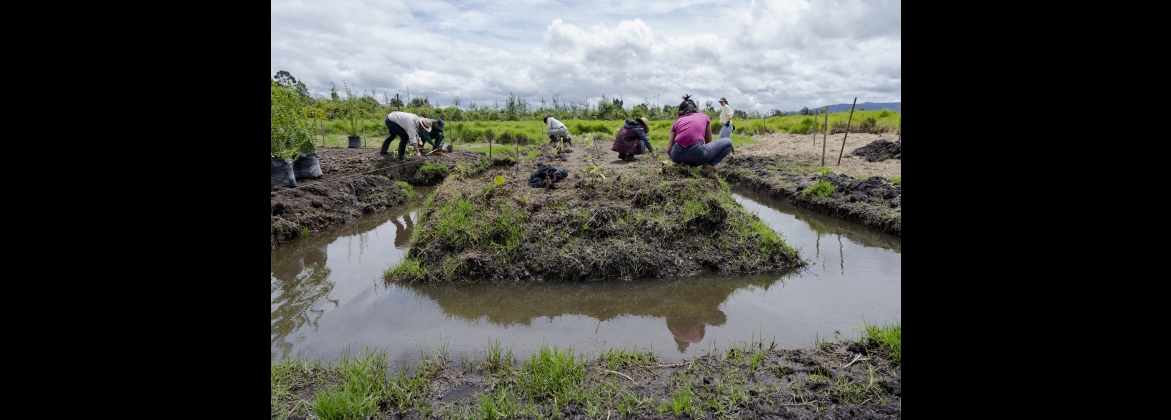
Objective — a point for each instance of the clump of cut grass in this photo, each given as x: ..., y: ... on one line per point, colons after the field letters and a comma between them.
x: 821, y: 188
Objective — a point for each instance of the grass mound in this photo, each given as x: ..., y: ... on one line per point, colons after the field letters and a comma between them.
x: 649, y: 223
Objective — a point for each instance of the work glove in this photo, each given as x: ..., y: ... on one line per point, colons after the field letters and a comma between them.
x: 728, y: 124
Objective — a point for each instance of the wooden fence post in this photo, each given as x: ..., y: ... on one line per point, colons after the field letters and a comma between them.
x: 824, y: 133
x: 847, y: 131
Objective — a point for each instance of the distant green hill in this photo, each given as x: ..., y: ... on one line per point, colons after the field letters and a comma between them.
x: 871, y: 106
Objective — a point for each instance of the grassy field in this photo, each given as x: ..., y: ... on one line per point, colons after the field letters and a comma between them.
x: 474, y: 133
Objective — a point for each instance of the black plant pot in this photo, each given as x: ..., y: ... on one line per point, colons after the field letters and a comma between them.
x: 355, y: 142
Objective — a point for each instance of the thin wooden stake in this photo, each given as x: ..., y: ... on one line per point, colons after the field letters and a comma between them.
x: 824, y: 133
x: 322, y: 131
x: 815, y: 128
x: 847, y: 131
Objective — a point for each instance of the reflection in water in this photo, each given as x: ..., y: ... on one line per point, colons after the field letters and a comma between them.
x: 320, y: 307
x: 826, y: 225
x: 300, y: 278
x: 402, y: 230
x: 296, y: 285
x: 688, y: 305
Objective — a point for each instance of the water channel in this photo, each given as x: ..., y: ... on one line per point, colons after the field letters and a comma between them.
x: 327, y: 294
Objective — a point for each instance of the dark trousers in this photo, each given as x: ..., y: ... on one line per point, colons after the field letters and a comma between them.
x: 395, y: 131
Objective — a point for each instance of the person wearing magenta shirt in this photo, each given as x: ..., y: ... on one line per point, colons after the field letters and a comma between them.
x: 690, y: 141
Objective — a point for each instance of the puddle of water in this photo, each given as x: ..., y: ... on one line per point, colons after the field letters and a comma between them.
x: 327, y: 294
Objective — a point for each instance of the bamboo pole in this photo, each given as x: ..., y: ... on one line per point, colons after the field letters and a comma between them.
x: 900, y: 123
x: 824, y: 133
x: 322, y: 131
x: 847, y: 131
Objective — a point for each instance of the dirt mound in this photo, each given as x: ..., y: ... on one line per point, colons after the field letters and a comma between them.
x: 610, y: 220
x: 880, y: 150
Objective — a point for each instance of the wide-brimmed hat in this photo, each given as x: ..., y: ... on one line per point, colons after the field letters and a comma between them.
x: 724, y: 100
x: 426, y: 123
x: 646, y: 125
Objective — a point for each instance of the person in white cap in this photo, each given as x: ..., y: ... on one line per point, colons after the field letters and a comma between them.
x: 405, y: 126
x: 726, y: 126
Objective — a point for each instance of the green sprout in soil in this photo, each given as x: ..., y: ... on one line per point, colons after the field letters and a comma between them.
x: 897, y: 180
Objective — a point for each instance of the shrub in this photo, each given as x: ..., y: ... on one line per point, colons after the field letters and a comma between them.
x: 287, y: 127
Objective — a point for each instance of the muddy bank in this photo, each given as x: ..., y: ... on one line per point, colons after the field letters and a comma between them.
x: 846, y: 379
x: 874, y: 202
x: 356, y: 182
x: 641, y: 219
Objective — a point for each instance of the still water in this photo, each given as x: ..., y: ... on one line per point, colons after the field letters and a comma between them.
x: 327, y: 294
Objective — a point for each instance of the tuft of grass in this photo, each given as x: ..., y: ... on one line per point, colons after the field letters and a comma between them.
x: 408, y: 268
x: 615, y: 359
x: 821, y: 188
x: 361, y: 387
x: 551, y: 373
x: 411, y: 193
x: 434, y: 169
x: 498, y: 359
x: 888, y: 337
x: 897, y: 180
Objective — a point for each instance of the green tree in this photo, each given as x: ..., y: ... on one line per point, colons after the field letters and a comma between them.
x: 284, y: 78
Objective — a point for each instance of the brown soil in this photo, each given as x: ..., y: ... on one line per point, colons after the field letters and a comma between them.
x: 355, y: 182
x: 783, y: 165
x: 803, y: 148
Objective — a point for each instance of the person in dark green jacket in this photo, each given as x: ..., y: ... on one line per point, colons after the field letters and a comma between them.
x: 434, y: 137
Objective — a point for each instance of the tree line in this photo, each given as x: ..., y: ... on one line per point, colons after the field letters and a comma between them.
x: 366, y: 105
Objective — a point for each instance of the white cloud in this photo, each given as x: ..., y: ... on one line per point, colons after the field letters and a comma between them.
x: 762, y: 55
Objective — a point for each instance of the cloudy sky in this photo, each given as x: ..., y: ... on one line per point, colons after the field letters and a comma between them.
x: 760, y: 54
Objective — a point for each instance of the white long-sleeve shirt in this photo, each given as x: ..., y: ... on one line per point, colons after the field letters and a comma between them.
x: 554, y: 124
x: 409, y: 122
x: 725, y: 114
